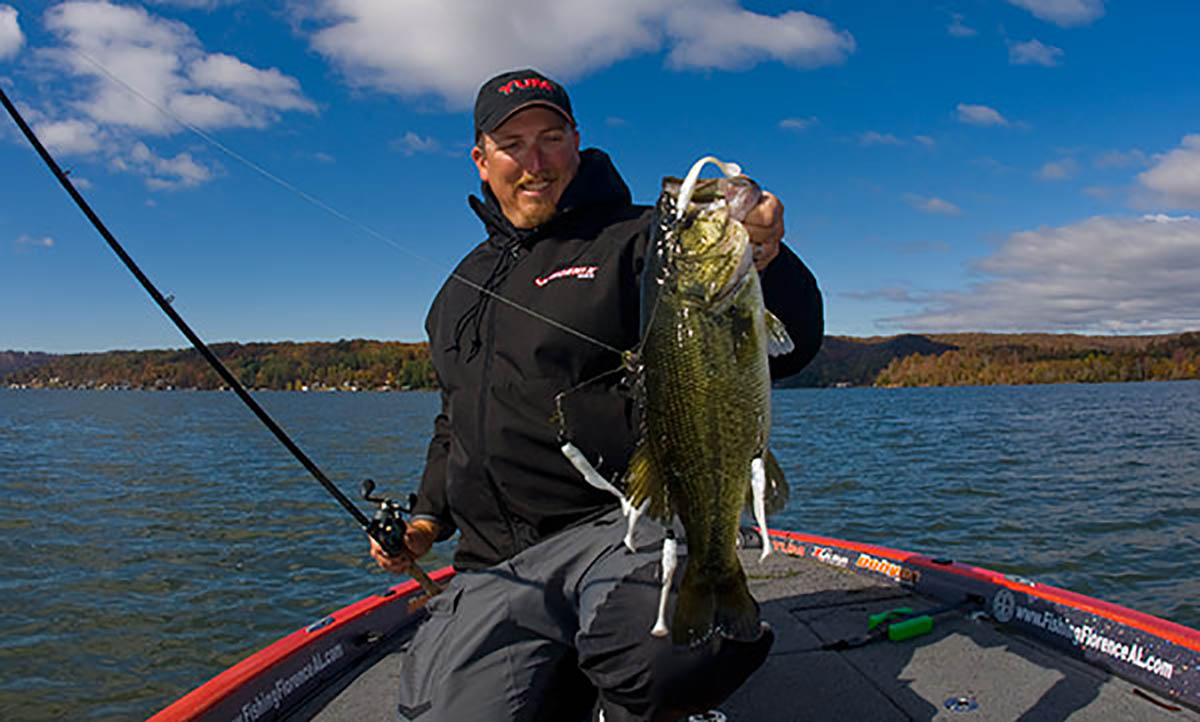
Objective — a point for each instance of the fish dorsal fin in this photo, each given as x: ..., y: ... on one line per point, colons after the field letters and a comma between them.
x: 778, y: 340
x: 643, y: 482
x: 778, y: 490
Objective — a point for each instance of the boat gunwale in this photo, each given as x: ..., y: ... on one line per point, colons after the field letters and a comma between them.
x: 205, y: 699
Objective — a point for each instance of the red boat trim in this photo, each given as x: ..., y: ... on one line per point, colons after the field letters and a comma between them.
x: 295, y: 646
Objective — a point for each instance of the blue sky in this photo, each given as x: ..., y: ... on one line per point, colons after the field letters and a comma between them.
x: 1020, y: 165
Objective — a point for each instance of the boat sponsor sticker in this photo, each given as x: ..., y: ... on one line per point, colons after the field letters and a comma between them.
x: 1086, y: 637
x: 1004, y: 606
x: 842, y: 559
x: 831, y: 557
x: 272, y: 697
x: 888, y: 568
x: 787, y: 546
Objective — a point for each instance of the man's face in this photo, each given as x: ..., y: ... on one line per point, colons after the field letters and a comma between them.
x: 528, y: 163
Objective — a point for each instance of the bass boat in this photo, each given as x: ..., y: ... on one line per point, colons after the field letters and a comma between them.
x: 863, y: 632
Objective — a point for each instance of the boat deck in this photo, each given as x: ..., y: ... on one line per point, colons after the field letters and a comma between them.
x: 967, y: 668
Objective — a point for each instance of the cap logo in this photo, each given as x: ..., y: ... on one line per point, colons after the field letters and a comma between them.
x: 522, y: 83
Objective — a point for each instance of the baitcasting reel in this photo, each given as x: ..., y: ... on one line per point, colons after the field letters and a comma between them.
x: 388, y: 526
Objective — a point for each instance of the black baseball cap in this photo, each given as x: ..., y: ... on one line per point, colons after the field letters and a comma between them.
x: 516, y: 90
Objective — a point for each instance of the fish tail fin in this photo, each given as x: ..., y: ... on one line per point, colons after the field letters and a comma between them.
x: 703, y: 609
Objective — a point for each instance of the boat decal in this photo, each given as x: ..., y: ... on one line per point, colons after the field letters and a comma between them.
x: 890, y: 569
x: 831, y: 557
x: 787, y: 546
x: 270, y: 699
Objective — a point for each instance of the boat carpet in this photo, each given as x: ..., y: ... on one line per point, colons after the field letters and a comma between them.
x: 964, y: 669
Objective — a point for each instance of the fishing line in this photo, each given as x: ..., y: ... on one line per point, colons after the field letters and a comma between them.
x: 372, y: 529
x: 318, y: 203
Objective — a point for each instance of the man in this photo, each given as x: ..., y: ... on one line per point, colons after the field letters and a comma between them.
x: 549, y: 615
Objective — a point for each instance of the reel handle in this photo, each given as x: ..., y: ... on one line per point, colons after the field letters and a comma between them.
x: 388, y: 528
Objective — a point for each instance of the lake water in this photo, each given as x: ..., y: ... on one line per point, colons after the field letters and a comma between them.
x: 150, y: 540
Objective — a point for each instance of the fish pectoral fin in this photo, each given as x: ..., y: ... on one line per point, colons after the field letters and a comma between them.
x: 778, y: 340
x: 645, y: 485
x: 776, y: 492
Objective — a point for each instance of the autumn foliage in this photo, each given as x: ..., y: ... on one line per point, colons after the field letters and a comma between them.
x: 348, y: 365
x: 955, y: 359
x: 991, y: 359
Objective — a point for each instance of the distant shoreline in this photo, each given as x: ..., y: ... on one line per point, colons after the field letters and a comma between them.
x: 360, y: 365
x: 165, y: 389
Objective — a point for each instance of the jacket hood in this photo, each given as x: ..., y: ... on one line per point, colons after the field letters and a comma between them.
x: 596, y: 182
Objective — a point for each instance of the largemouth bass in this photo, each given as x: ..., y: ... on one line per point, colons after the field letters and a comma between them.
x: 705, y: 393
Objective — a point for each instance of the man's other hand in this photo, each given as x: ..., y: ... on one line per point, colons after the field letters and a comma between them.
x: 765, y: 225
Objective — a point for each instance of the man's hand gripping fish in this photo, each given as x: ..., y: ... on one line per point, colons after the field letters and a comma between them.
x: 703, y: 389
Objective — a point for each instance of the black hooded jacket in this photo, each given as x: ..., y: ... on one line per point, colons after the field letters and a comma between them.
x: 565, y: 304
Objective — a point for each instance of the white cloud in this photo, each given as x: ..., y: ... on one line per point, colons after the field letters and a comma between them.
x: 979, y: 115
x: 1064, y: 13
x: 416, y: 47
x: 269, y: 88
x: 411, y: 143
x: 1122, y: 159
x: 925, y: 140
x: 181, y: 171
x: 798, y: 124
x: 958, y: 29
x: 932, y: 205
x: 1100, y: 193
x: 1120, y: 275
x: 41, y: 242
x: 11, y: 37
x: 726, y: 36
x: 1061, y: 169
x: 70, y: 136
x: 164, y: 61
x: 872, y: 137
x: 102, y: 46
x: 1034, y: 52
x: 195, y: 4
x: 1175, y: 177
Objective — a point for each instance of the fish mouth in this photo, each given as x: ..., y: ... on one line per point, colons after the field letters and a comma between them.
x: 738, y: 195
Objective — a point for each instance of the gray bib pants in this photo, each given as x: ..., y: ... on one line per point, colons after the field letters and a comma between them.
x: 561, y: 631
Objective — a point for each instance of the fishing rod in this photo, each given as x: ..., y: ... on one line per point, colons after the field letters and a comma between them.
x: 388, y: 526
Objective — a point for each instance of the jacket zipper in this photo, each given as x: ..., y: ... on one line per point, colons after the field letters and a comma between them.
x: 482, y: 416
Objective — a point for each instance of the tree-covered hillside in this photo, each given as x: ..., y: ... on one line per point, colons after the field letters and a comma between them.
x: 357, y: 364
x: 957, y: 359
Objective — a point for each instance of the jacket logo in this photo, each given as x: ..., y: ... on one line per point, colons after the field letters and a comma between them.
x: 587, y: 272
x: 523, y: 83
